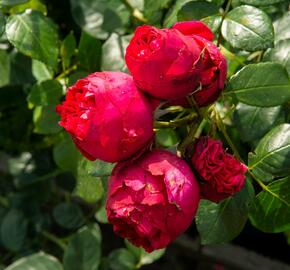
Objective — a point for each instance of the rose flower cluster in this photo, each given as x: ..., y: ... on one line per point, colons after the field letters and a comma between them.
x: 153, y: 194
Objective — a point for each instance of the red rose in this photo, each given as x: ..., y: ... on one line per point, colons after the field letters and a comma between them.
x: 214, y: 70
x: 222, y: 175
x: 107, y: 117
x: 163, y: 62
x: 152, y: 200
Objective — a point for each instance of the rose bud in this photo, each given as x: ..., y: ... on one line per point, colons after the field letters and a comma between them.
x: 163, y: 62
x: 153, y: 200
x: 222, y: 175
x: 214, y: 70
x: 107, y: 117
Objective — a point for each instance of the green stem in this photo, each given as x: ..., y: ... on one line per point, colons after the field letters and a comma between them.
x: 228, y: 6
x: 66, y: 72
x: 136, y: 13
x: 176, y: 123
x: 222, y: 128
x: 54, y: 239
x: 200, y: 128
x: 49, y: 175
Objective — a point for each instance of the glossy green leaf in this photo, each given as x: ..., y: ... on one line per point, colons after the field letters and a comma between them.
x: 65, y: 154
x: 258, y: 85
x: 30, y: 4
x: 40, y: 71
x: 88, y: 187
x: 197, y: 10
x: 84, y: 249
x: 122, y: 259
x: 45, y: 93
x: 46, y: 120
x: 271, y: 158
x: 270, y: 211
x: 280, y: 54
x: 153, y: 10
x: 99, y: 18
x: 248, y: 28
x: 67, y: 50
x: 282, y: 29
x: 167, y: 137
x: 89, y: 52
x: 220, y: 223
x: 143, y: 257
x: 68, y: 215
x: 38, y: 261
x: 113, y: 52
x: 4, y: 68
x: 213, y: 22
x: 261, y: 3
x: 171, y: 16
x: 253, y: 122
x: 34, y: 35
x: 13, y: 230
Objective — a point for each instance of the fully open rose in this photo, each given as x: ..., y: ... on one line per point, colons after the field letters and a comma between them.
x: 107, y: 117
x: 222, y: 175
x: 164, y: 62
x: 153, y: 200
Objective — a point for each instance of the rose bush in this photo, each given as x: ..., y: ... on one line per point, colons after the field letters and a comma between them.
x: 221, y: 174
x: 152, y: 200
x: 107, y: 117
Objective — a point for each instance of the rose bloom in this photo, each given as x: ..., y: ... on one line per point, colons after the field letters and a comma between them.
x: 153, y: 200
x: 107, y: 117
x: 222, y: 174
x: 164, y: 62
x: 214, y: 71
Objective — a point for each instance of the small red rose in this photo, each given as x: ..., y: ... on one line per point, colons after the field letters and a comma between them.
x: 163, y: 62
x: 153, y: 200
x: 107, y: 116
x: 222, y: 175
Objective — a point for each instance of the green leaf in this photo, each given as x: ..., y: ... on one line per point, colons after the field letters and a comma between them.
x: 282, y: 29
x: 34, y: 35
x: 99, y: 18
x: 89, y: 52
x: 171, y: 16
x: 67, y: 50
x: 113, y: 52
x: 270, y: 211
x: 261, y: 3
x: 153, y: 10
x: 253, y: 122
x: 84, y: 249
x: 12, y: 2
x: 197, y: 10
x: 271, y: 158
x: 258, y: 85
x: 213, y: 22
x: 167, y: 137
x: 32, y: 4
x: 220, y: 223
x: 280, y: 54
x: 38, y: 261
x: 4, y: 68
x: 65, y: 154
x: 143, y: 257
x: 68, y: 215
x: 40, y: 71
x: 99, y: 168
x: 88, y: 187
x: 248, y: 28
x: 2, y: 23
x: 13, y: 230
x: 45, y: 120
x: 122, y: 259
x: 45, y: 93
